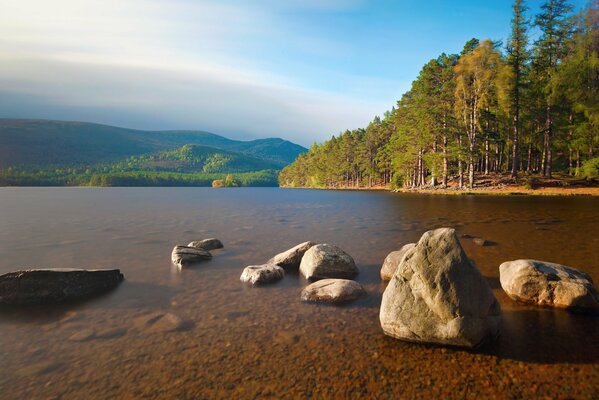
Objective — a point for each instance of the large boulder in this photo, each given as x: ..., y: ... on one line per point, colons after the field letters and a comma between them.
x: 548, y: 284
x: 437, y: 296
x: 206, y: 244
x: 334, y: 291
x: 43, y: 286
x: 261, y: 274
x: 184, y: 255
x: 327, y: 261
x: 291, y: 259
x: 392, y: 261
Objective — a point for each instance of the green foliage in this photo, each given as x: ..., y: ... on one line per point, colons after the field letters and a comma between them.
x: 590, y: 168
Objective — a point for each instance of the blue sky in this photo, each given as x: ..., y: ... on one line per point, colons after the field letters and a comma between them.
x: 298, y: 69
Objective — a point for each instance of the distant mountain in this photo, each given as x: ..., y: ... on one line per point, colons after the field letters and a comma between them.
x: 42, y: 143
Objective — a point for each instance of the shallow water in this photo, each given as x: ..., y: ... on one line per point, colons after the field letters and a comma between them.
x: 245, y: 342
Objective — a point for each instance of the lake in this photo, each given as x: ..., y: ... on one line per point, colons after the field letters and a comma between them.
x: 246, y: 342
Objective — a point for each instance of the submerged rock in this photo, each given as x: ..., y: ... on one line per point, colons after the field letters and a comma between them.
x: 327, y: 261
x: 158, y: 322
x: 43, y: 286
x: 260, y: 274
x: 334, y: 291
x: 480, y: 242
x: 437, y: 296
x: 206, y: 244
x: 184, y: 255
x: 392, y: 261
x: 291, y: 259
x: 548, y: 284
x: 82, y: 335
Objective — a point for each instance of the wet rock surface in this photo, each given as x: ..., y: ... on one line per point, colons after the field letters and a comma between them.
x: 548, y: 284
x: 291, y: 259
x: 262, y: 274
x: 46, y: 286
x: 333, y: 291
x: 327, y: 261
x: 437, y: 296
x: 206, y: 244
x: 184, y: 255
x: 392, y: 261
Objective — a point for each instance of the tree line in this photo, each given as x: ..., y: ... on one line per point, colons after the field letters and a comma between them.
x: 527, y: 107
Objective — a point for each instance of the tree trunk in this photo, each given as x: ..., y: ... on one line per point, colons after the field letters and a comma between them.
x: 445, y: 161
x: 549, y: 138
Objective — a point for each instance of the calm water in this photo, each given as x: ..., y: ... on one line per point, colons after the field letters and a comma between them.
x: 245, y: 342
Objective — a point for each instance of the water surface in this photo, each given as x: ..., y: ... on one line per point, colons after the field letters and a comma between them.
x: 245, y: 342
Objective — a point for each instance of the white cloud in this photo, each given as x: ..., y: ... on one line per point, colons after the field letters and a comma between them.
x: 164, y: 64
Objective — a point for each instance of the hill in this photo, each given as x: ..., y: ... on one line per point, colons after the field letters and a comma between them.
x: 43, y: 143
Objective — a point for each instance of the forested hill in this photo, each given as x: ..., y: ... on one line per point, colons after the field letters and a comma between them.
x: 525, y: 107
x: 42, y: 143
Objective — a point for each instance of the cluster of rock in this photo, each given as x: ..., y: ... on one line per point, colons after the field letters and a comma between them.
x: 47, y: 286
x: 435, y: 294
x: 195, y: 252
x: 328, y: 265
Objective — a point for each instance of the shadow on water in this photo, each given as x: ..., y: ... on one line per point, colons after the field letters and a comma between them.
x: 546, y: 336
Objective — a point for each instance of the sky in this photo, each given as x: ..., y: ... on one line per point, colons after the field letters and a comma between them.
x: 299, y: 69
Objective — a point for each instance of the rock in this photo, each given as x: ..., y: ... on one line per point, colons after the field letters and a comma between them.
x: 160, y: 322
x: 437, y: 296
x: 82, y: 335
x: 44, y: 286
x: 206, y: 244
x: 548, y: 284
x: 110, y: 333
x: 334, y: 291
x: 327, y: 261
x: 260, y: 274
x: 480, y: 241
x: 291, y: 259
x: 392, y: 261
x: 184, y: 255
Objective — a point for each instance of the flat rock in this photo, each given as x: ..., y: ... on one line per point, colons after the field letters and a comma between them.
x: 206, y: 244
x: 327, y: 261
x: 548, y: 284
x: 184, y: 255
x: 261, y: 274
x: 334, y: 291
x: 44, y: 286
x: 392, y: 261
x: 291, y: 259
x: 437, y: 296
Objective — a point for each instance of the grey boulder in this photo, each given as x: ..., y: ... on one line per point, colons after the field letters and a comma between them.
x: 548, y: 284
x: 261, y: 274
x: 334, y: 291
x: 206, y: 244
x: 291, y: 259
x: 437, y: 296
x: 184, y: 255
x: 327, y: 261
x: 43, y: 286
x: 392, y: 261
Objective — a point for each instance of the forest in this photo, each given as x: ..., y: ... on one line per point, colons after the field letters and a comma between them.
x: 522, y: 108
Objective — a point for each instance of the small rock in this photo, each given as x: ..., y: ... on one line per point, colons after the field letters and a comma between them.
x: 548, y: 284
x: 291, y: 259
x: 43, y: 286
x: 206, y: 244
x: 260, y: 274
x: 334, y: 291
x: 327, y: 261
x: 480, y: 241
x: 392, y: 261
x: 82, y: 335
x: 160, y: 322
x: 466, y: 236
x: 184, y: 255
